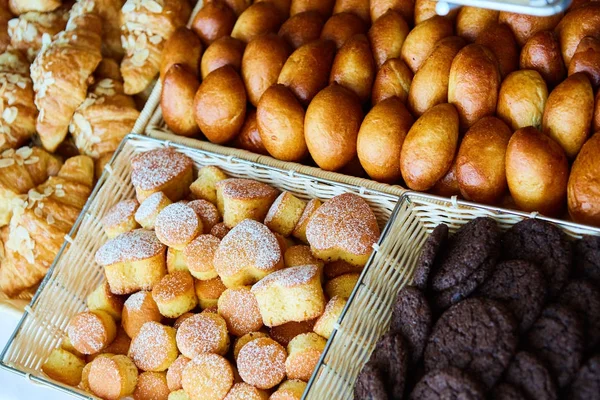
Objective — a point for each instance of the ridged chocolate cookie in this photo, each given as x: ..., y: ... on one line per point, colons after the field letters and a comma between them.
x: 587, y: 258
x: 529, y: 374
x: 506, y: 391
x: 447, y: 383
x: 432, y: 247
x: 391, y: 358
x: 586, y: 385
x: 584, y: 298
x: 369, y: 384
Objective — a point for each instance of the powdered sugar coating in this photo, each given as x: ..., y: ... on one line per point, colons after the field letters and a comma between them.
x: 120, y: 212
x: 200, y: 252
x: 151, y: 385
x: 176, y: 224
x: 150, y: 205
x: 245, y: 189
x: 207, y: 376
x: 261, y: 363
x: 136, y: 300
x: 275, y: 207
x: 173, y: 285
x: 240, y: 310
x: 288, y: 277
x: 207, y: 212
x: 345, y: 221
x: 139, y: 244
x: 243, y: 391
x: 154, y: 168
x: 202, y: 333
x: 153, y: 346
x: 87, y: 333
x: 175, y: 371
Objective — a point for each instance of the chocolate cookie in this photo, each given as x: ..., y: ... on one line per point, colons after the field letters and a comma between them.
x: 584, y: 298
x: 448, y: 383
x: 391, y: 358
x: 586, y: 385
x: 411, y: 316
x: 521, y: 287
x: 506, y: 391
x: 434, y: 243
x: 556, y: 337
x: 478, y: 335
x: 369, y: 384
x: 587, y: 258
x: 472, y: 246
x: 543, y: 244
x: 528, y: 374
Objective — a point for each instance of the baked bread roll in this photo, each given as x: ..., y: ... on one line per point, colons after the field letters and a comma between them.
x: 112, y: 377
x: 356, y: 7
x: 91, y: 331
x: 302, y: 28
x: 174, y: 294
x: 175, y: 372
x: 542, y: 53
x: 425, y: 9
x: 223, y: 51
x: 257, y: 20
x: 247, y: 254
x: 261, y: 363
x: 204, y: 187
x: 202, y: 333
x: 120, y: 218
x: 331, y: 315
x: 341, y: 286
x: 499, y: 39
x: 64, y: 367
x: 154, y: 347
x: 422, y: 39
x: 240, y: 199
x: 209, y: 291
x: 525, y: 26
x: 341, y: 27
x: 284, y: 214
x: 138, y: 309
x: 393, y: 79
x: 103, y: 299
x: 299, y: 231
x: 354, y: 68
x: 177, y: 225
x: 292, y: 294
x: 177, y: 100
x: 183, y: 48
x: 522, y: 99
x: 575, y: 25
x: 132, y: 261
x: 208, y: 376
x: 304, y: 352
x: 198, y: 256
x: 289, y: 390
x: 472, y: 21
x: 587, y: 59
x: 325, y: 7
x: 243, y: 340
x: 161, y: 170
x: 239, y: 309
x: 243, y: 391
x: 582, y: 190
x: 249, y: 137
x: 213, y: 21
x: 151, y: 386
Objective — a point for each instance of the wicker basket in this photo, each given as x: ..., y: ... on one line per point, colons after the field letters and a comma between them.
x: 75, y: 274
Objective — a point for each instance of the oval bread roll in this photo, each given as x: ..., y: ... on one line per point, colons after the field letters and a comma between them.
x: 542, y: 53
x: 577, y: 24
x: 429, y: 147
x: 387, y: 36
x: 473, y: 84
x: 258, y: 19
x: 480, y: 169
x: 177, y: 100
x: 283, y: 6
x: 183, y: 47
x: 430, y: 84
x: 448, y: 185
x: 422, y: 39
x: 354, y: 67
x: 302, y: 28
x: 331, y: 127
x: 596, y: 118
x: 249, y: 137
x: 525, y: 26
x: 500, y: 40
x: 359, y: 8
x: 392, y: 79
x: 406, y: 8
x: 213, y: 21
x: 568, y: 113
x: 324, y: 7
x: 522, y: 99
x: 341, y: 27
x: 583, y: 192
x: 425, y: 9
x: 238, y: 6
x: 587, y: 59
x: 280, y: 119
x: 223, y: 51
x: 471, y: 21
x: 381, y: 137
x: 220, y: 105
x: 536, y: 171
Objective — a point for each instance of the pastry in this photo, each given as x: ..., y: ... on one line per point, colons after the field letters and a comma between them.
x: 223, y: 51
x: 506, y: 391
x: 243, y: 391
x: 151, y: 386
x: 209, y: 291
x: 220, y: 230
x: 249, y: 137
x: 154, y: 348
x: 297, y: 255
x: 394, y: 78
x: 587, y: 258
x: 120, y: 218
x: 387, y: 35
x: 198, y: 257
x: 181, y: 318
x: 91, y: 331
x: 391, y: 358
x: 581, y: 191
x: 177, y: 100
x: 204, y: 187
x: 175, y: 372
x: 284, y: 333
x: 243, y: 340
x: 340, y: 267
x: 203, y: 333
x: 302, y: 28
x: 531, y: 376
x: 103, y: 299
x: 370, y: 384
x: 120, y: 345
x: 261, y: 363
x: 284, y: 214
x: 214, y: 20
x: 19, y: 7
x: 178, y: 395
x: 239, y: 309
x: 299, y: 231
x: 64, y: 367
x: 342, y: 285
x: 138, y: 309
x: 584, y: 298
x: 207, y: 212
x: 433, y: 246
x: 132, y: 261
x: 112, y: 377
x: 177, y: 225
x: 339, y: 28
x: 174, y: 294
x: 208, y: 376
x: 304, y: 352
x: 147, y: 212
x: 257, y: 20
x: 325, y: 324
x: 447, y: 383
x: 239, y: 199
x: 183, y: 48
x: 289, y: 390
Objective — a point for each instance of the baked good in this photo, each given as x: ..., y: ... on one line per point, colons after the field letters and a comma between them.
x: 576, y: 25
x: 525, y: 26
x: 209, y: 291
x: 339, y: 28
x: 174, y: 294
x: 583, y: 297
x: 542, y: 53
x: 148, y: 210
x: 144, y: 31
x: 412, y: 316
x: 68, y: 346
x: 291, y: 294
x: 433, y: 246
x: 177, y: 100
x: 284, y: 333
x: 207, y: 212
x: 291, y: 389
x: 132, y: 261
x: 380, y: 7
x: 259, y: 19
x: 586, y: 59
x: 243, y: 340
x: 120, y: 218
x: 154, y: 348
x: 529, y: 374
x: 447, y: 383
x: 183, y: 48
x: 112, y: 377
x: 333, y: 310
x: 103, y: 299
x: 341, y: 285
x: 178, y: 395
x: 325, y: 8
x: 304, y: 352
x: 506, y: 391
x: 302, y: 28
x: 161, y: 170
x: 181, y: 318
x: 522, y: 99
x: 248, y: 253
x: 425, y: 9
x: 214, y: 20
x: 586, y: 384
x: 299, y: 231
x: 175, y: 372
x: 91, y: 331
x: 344, y: 228
x: 177, y: 225
x: 587, y: 258
x: 243, y: 391
x: 120, y: 345
x: 223, y: 51
x: 64, y: 367
x: 370, y: 384
x: 297, y: 255
x: 484, y: 345
x: 284, y: 214
x: 261, y: 363
x: 138, y: 309
x: 204, y: 187
x: 249, y: 137
x: 354, y: 68
x: 500, y: 40
x: 472, y: 21
x: 208, y: 376
x: 421, y: 40
x: 198, y: 256
x: 151, y: 386
x: 356, y: 7
x: 239, y: 309
x: 581, y: 189
x: 203, y: 333
x: 391, y: 358
x: 393, y: 79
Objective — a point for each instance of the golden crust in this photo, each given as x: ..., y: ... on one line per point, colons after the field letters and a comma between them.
x: 91, y: 331
x: 139, y: 308
x: 207, y: 376
x: 261, y: 363
x: 154, y: 347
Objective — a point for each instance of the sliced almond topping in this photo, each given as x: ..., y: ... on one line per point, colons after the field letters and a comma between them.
x: 6, y: 162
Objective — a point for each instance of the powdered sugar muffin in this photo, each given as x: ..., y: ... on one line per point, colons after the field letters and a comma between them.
x: 150, y: 208
x: 208, y: 376
x: 179, y: 395
x: 261, y: 363
x: 240, y: 199
x: 175, y: 260
x: 243, y: 391
x: 151, y: 386
x: 120, y: 345
x: 208, y: 292
x: 289, y: 390
x: 333, y: 310
x: 112, y: 377
x: 120, y: 218
x: 239, y: 308
x: 182, y: 318
x: 174, y: 294
x: 199, y: 255
x: 103, y: 299
x: 154, y: 348
x: 139, y: 308
x: 207, y: 212
x: 342, y: 285
x: 177, y: 225
x: 64, y: 367
x: 304, y: 352
x: 91, y: 331
x: 285, y: 213
x: 300, y: 255
x: 220, y: 230
x: 204, y: 187
x: 243, y: 340
x: 299, y: 231
x: 203, y: 333
x: 175, y: 371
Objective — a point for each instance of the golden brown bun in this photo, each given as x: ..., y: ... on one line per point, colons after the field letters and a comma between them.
x: 249, y: 137
x: 341, y: 27
x: 404, y: 7
x: 577, y: 24
x: 587, y: 59
x: 284, y: 214
x: 223, y: 51
x: 500, y: 40
x: 177, y: 100
x: 174, y: 294
x: 381, y: 137
x: 304, y: 352
x: 429, y: 147
x: 542, y: 53
x: 208, y: 292
x: 214, y: 20
x: 387, y: 35
x: 525, y: 26
x: 537, y: 171
x: 300, y: 229
x: 181, y: 318
x: 596, y: 118
x: 120, y: 218
x: 280, y: 119
x: 257, y: 20
x: 307, y: 70
x: 448, y: 185
x: 359, y: 8
x: 238, y: 6
x: 175, y: 371
x: 202, y: 333
x: 429, y: 86
x: 112, y: 377
x: 239, y: 309
x: 120, y: 345
x: 393, y: 79
x: 220, y: 105
x: 473, y: 84
x: 183, y: 47
x: 422, y: 39
x: 283, y: 6
x: 302, y: 28
x: 151, y: 386
x: 289, y: 390
x: 64, y: 367
x: 262, y: 62
x: 568, y: 113
x: 472, y: 21
x: 583, y: 192
x: 425, y: 9
x: 91, y: 331
x: 354, y: 67
x: 522, y: 99
x: 324, y: 7
x: 480, y: 161
x: 139, y: 308
x: 150, y: 208
x: 240, y: 199
x: 261, y: 363
x: 331, y: 127
x: 209, y: 376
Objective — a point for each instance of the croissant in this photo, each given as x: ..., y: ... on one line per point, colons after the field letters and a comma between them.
x: 19, y: 7
x: 5, y: 16
x: 61, y: 74
x: 39, y: 224
x: 103, y: 119
x: 109, y: 11
x: 146, y: 25
x: 17, y: 109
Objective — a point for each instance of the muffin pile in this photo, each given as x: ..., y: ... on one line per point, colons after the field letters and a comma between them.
x: 512, y: 315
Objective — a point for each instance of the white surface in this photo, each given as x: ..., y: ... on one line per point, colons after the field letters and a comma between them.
x: 13, y: 386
